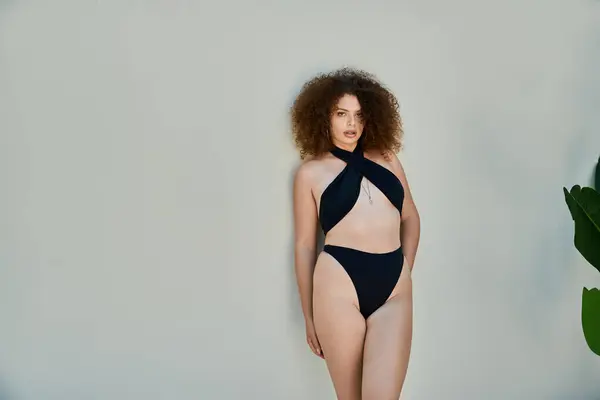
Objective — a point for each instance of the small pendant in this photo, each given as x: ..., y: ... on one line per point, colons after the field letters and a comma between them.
x: 370, y: 200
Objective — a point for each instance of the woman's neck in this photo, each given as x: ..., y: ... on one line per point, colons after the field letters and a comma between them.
x: 347, y: 147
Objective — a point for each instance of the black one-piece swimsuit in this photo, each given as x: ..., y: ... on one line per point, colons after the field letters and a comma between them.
x: 374, y: 275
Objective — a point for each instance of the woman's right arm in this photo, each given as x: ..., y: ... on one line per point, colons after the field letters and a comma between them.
x: 305, y: 238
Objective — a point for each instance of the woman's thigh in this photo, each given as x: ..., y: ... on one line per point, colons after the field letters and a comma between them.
x: 387, y: 343
x: 339, y: 325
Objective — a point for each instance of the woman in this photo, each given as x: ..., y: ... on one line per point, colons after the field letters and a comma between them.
x: 356, y: 294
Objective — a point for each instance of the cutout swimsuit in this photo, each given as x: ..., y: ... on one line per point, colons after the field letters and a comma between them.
x: 374, y: 275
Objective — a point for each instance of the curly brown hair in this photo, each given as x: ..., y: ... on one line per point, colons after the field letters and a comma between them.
x: 312, y: 108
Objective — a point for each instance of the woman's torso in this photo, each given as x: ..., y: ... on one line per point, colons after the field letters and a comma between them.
x: 369, y: 227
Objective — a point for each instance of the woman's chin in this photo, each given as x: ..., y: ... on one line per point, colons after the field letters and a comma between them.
x: 348, y: 140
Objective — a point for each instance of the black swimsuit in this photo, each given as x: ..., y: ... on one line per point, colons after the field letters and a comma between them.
x: 374, y: 275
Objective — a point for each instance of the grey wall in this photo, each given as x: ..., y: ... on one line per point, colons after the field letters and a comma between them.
x: 145, y: 208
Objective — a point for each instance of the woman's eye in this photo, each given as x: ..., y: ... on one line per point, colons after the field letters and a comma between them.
x: 340, y: 113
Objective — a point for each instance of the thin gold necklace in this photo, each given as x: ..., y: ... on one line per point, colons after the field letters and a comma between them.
x: 367, y: 191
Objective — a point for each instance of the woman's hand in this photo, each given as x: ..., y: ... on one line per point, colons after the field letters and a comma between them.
x: 312, y: 340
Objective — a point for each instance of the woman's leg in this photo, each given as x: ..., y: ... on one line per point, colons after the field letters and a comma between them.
x: 339, y: 325
x: 387, y: 343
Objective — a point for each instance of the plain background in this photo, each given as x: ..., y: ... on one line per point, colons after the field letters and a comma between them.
x: 145, y: 209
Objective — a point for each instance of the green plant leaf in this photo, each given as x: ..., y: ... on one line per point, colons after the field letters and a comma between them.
x: 584, y: 205
x: 590, y: 318
x: 597, y: 181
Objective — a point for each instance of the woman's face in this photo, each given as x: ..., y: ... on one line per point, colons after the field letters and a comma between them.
x: 346, y: 122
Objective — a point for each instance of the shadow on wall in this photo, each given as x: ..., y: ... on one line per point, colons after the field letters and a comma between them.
x: 5, y: 7
x: 295, y: 305
x: 4, y: 393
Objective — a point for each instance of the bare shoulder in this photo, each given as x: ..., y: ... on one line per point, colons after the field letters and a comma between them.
x: 398, y: 170
x: 394, y: 162
x: 308, y: 171
x: 388, y: 159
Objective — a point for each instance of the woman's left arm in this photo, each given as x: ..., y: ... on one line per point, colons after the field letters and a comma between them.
x: 410, y: 227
